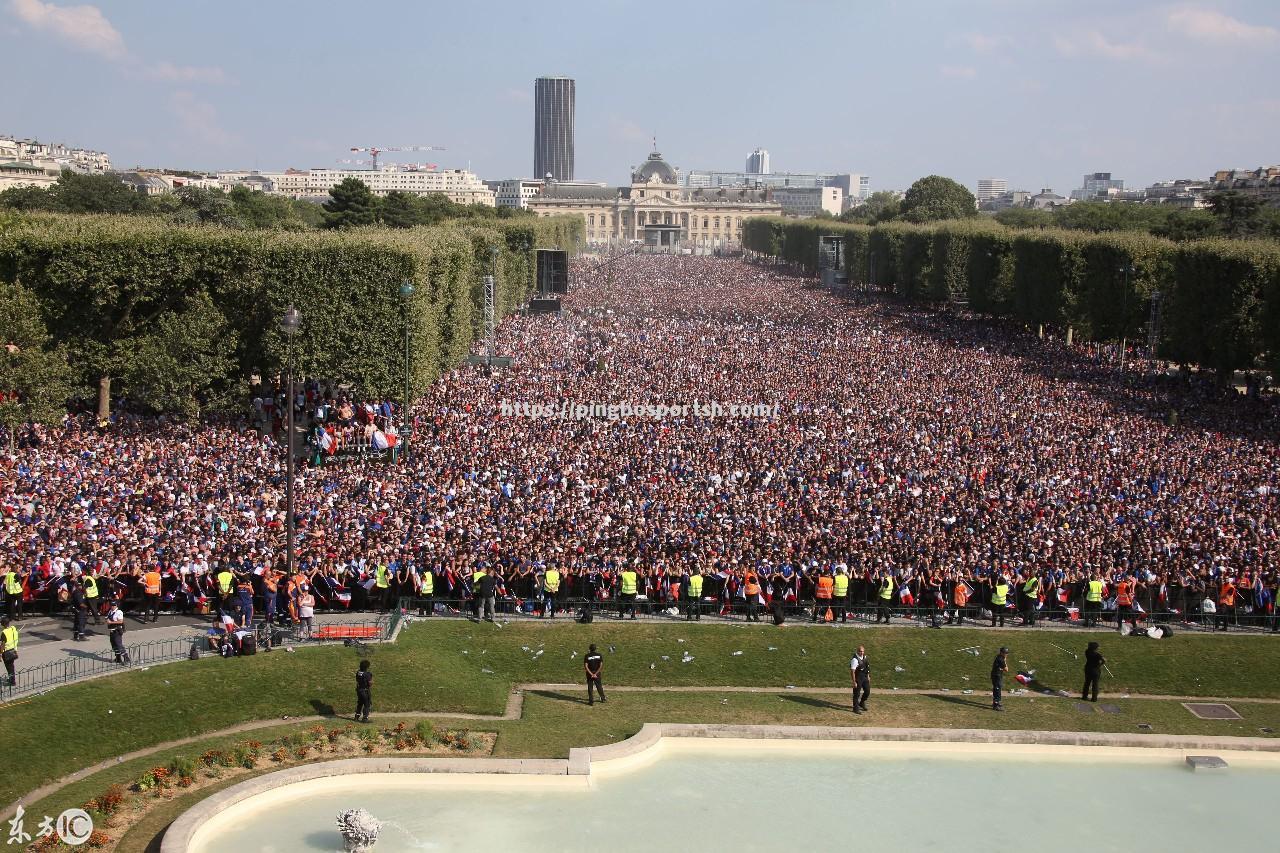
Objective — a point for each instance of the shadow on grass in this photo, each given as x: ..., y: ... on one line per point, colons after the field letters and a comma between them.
x: 324, y: 709
x: 957, y: 700
x: 559, y: 697
x: 814, y: 702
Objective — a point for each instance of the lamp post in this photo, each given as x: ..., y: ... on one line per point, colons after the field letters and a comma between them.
x: 289, y: 324
x: 1128, y: 270
x: 406, y: 291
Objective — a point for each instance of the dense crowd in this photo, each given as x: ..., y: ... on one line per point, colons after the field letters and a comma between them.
x: 918, y: 462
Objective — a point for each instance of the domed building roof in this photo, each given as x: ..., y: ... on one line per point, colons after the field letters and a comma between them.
x: 654, y: 171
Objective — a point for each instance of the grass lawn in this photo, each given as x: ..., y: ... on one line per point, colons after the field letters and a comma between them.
x: 460, y: 666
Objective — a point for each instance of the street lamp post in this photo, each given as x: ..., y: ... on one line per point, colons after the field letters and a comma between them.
x: 289, y: 324
x: 406, y: 291
x: 1128, y: 271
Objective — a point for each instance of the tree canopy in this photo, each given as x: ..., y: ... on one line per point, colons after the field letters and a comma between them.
x: 935, y: 198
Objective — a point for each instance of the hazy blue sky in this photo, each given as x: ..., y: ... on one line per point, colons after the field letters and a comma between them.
x: 1035, y: 91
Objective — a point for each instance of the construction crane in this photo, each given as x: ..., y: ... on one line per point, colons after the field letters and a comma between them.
x: 374, y: 152
x: 353, y: 162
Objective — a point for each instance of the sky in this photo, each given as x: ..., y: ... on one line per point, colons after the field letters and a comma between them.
x: 1038, y: 92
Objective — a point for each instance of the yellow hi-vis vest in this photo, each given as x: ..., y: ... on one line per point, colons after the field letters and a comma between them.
x: 551, y: 580
x: 428, y: 582
x: 225, y: 579
x: 1001, y: 593
x: 1031, y: 587
x: 90, y: 587
x: 10, y: 638
x: 1094, y: 594
x: 381, y: 577
x: 12, y: 585
x: 842, y: 586
x: 695, y: 586
x: 628, y: 582
x: 886, y: 589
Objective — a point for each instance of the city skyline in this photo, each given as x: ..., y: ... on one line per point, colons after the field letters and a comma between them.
x: 1038, y: 95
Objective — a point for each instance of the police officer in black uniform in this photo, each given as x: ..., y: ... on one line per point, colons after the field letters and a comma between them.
x: 1093, y: 663
x: 364, y: 688
x: 593, y: 665
x: 998, y: 668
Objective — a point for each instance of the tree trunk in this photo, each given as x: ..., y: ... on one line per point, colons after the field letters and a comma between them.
x: 104, y: 398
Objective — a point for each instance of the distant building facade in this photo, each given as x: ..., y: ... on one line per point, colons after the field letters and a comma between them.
x: 1098, y: 186
x: 458, y: 185
x: 810, y: 201
x: 514, y: 192
x: 656, y: 211
x: 758, y: 162
x: 989, y: 188
x: 1264, y: 183
x: 553, y: 116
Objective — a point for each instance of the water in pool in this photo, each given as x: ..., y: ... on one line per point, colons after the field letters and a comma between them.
x: 780, y: 800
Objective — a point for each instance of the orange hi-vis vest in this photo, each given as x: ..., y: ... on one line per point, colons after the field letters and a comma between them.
x: 151, y: 580
x: 1124, y: 593
x: 1227, y: 594
x: 752, y: 583
x: 825, y: 586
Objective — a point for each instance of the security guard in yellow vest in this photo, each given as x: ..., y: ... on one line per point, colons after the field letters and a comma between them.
x: 226, y: 586
x: 476, y: 574
x: 886, y: 599
x: 91, y: 597
x: 9, y: 648
x: 840, y: 599
x: 426, y: 592
x: 1030, y: 599
x: 627, y: 581
x: 382, y: 586
x: 999, y: 597
x: 693, y: 596
x: 550, y: 589
x: 1092, y: 601
x: 13, y: 593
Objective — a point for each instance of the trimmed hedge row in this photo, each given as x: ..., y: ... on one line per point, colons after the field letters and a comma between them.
x: 104, y: 282
x: 1221, y: 298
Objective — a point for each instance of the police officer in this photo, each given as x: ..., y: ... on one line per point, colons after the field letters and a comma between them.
x: 78, y: 612
x: 364, y: 689
x: 593, y: 665
x: 860, y: 674
x: 998, y: 668
x: 115, y: 627
x: 693, y: 596
x: 1093, y: 663
x: 9, y: 648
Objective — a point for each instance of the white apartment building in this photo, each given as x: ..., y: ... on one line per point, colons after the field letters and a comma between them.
x: 28, y: 173
x: 76, y: 159
x: 515, y: 192
x: 459, y: 185
x: 989, y: 188
x: 809, y: 201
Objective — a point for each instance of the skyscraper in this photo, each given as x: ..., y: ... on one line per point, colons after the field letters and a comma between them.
x: 553, y: 128
x: 989, y: 188
x: 758, y: 162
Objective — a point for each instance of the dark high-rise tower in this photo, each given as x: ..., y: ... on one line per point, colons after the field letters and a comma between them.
x: 553, y: 128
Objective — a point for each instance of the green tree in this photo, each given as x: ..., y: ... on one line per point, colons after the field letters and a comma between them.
x: 1237, y: 214
x: 880, y: 206
x: 351, y: 203
x: 77, y: 193
x: 260, y: 210
x: 27, y: 199
x: 34, y: 376
x: 206, y: 207
x: 401, y: 210
x: 180, y: 366
x: 1182, y: 224
x: 1024, y: 217
x: 935, y: 198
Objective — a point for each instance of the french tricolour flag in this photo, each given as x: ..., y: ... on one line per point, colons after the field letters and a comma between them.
x: 325, y: 439
x: 385, y: 440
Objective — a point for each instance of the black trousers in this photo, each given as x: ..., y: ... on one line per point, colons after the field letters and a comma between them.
x: 1223, y: 616
x: 861, y: 690
x: 1090, y: 685
x: 841, y: 605
x: 693, y: 608
x: 627, y: 604
x: 151, y: 607
x: 425, y: 604
x: 997, y: 612
x: 364, y: 704
x: 594, y: 682
x: 1091, y: 611
x: 884, y: 611
x: 820, y: 607
x: 117, y: 646
x: 997, y: 689
x: 8, y: 667
x: 752, y: 615
x: 779, y: 614
x: 94, y: 610
x: 78, y: 621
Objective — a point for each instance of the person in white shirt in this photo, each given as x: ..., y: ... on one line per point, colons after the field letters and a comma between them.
x: 115, y: 628
x: 860, y: 676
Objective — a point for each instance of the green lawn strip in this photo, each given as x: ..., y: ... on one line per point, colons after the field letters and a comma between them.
x: 557, y: 720
x: 459, y: 666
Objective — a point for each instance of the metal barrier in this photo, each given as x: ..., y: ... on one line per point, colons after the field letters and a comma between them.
x: 88, y: 665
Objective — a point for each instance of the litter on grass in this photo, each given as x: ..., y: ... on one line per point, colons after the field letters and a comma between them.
x: 735, y: 654
x: 898, y: 669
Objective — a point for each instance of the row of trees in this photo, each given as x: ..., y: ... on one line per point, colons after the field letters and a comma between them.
x: 179, y: 318
x: 1229, y: 214
x: 1220, y: 298
x: 351, y: 204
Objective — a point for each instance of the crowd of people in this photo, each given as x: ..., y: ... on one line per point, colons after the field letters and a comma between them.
x: 919, y: 463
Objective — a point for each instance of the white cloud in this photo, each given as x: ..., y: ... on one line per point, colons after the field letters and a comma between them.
x: 982, y: 42
x: 83, y: 26
x: 86, y: 28
x: 958, y: 72
x: 1211, y: 25
x: 200, y: 118
x: 1095, y: 43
